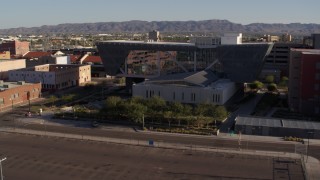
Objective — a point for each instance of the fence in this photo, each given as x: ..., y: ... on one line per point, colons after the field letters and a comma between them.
x: 149, y: 143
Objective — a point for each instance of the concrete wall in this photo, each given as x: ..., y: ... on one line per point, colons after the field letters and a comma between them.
x: 62, y: 60
x: 184, y: 94
x: 231, y: 38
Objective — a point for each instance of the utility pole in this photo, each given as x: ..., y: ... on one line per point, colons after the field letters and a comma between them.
x: 1, y: 166
x: 308, y: 145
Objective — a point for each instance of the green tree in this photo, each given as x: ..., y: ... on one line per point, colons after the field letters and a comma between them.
x: 256, y: 85
x: 220, y: 113
x: 168, y: 115
x: 187, y: 110
x: 112, y: 102
x: 68, y: 98
x: 269, y: 79
x: 284, y: 81
x: 135, y: 111
x: 200, y: 109
x: 113, y: 106
x: 272, y: 87
x: 155, y: 107
x: 207, y: 120
x: 52, y: 99
x: 177, y: 110
x: 200, y: 120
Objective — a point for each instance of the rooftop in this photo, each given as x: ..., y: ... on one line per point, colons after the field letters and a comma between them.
x: 36, y: 54
x: 273, y: 122
x: 151, y: 42
x: 307, y: 51
x: 92, y: 59
x: 10, y: 85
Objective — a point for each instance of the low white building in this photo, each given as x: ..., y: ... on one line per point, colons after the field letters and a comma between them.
x: 231, y: 38
x: 193, y: 88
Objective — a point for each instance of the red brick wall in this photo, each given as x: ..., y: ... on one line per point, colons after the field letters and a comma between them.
x: 15, y: 47
x: 308, y: 76
x: 22, y: 90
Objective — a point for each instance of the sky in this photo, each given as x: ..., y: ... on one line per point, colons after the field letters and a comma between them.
x: 34, y: 13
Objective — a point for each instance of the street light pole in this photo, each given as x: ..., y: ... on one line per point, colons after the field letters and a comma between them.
x: 28, y: 97
x: 308, y: 145
x: 1, y: 167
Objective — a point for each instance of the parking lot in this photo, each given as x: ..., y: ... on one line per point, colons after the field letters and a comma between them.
x: 35, y: 157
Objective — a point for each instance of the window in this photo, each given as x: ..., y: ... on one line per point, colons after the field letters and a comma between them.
x: 193, y: 97
x: 1, y: 101
x: 316, y: 87
x: 213, y: 97
x: 147, y: 93
x: 182, y: 96
x: 174, y: 95
x: 318, y: 65
x: 218, y: 97
x: 318, y: 76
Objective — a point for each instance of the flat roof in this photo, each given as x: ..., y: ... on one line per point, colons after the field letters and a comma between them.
x: 10, y: 60
x: 307, y: 51
x: 10, y: 85
x: 274, y: 122
x: 147, y: 42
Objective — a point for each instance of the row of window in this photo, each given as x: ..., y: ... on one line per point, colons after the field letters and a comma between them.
x: 215, y: 97
x: 39, y: 75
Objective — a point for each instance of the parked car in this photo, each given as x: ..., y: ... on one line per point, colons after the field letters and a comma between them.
x: 95, y: 124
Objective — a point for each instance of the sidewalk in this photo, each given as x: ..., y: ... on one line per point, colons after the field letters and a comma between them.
x: 245, y: 137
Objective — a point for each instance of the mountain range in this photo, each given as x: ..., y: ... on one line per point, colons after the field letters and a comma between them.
x: 216, y: 26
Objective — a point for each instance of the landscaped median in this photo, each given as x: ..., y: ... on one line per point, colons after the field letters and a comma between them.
x: 296, y: 139
x: 153, y: 113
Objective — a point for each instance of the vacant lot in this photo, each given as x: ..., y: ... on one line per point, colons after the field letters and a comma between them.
x: 32, y: 157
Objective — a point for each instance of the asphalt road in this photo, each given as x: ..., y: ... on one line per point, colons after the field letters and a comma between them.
x: 36, y: 157
x: 7, y: 119
x: 210, y: 141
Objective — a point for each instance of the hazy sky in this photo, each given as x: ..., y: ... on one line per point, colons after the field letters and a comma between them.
x: 30, y: 13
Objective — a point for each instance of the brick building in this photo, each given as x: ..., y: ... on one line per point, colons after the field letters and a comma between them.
x: 16, y: 48
x: 53, y: 76
x: 304, y: 81
x: 12, y: 93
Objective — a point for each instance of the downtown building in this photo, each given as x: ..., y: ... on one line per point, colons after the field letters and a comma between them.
x: 13, y: 93
x: 16, y: 48
x: 304, y: 81
x: 182, y: 71
x: 12, y: 64
x: 52, y: 76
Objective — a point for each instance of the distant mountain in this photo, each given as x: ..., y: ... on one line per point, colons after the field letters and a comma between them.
x: 217, y: 26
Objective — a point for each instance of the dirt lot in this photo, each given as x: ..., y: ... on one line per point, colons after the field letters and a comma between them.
x: 33, y: 157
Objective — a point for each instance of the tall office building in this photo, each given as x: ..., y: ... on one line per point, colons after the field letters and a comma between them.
x: 154, y: 36
x: 304, y: 81
x: 316, y: 41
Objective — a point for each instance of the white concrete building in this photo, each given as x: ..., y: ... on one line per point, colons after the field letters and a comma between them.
x: 231, y: 38
x: 193, y: 88
x: 205, y: 41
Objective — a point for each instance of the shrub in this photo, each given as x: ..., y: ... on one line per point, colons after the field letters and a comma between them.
x: 272, y: 87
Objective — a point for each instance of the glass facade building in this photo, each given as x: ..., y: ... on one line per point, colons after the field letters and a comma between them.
x: 136, y: 59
